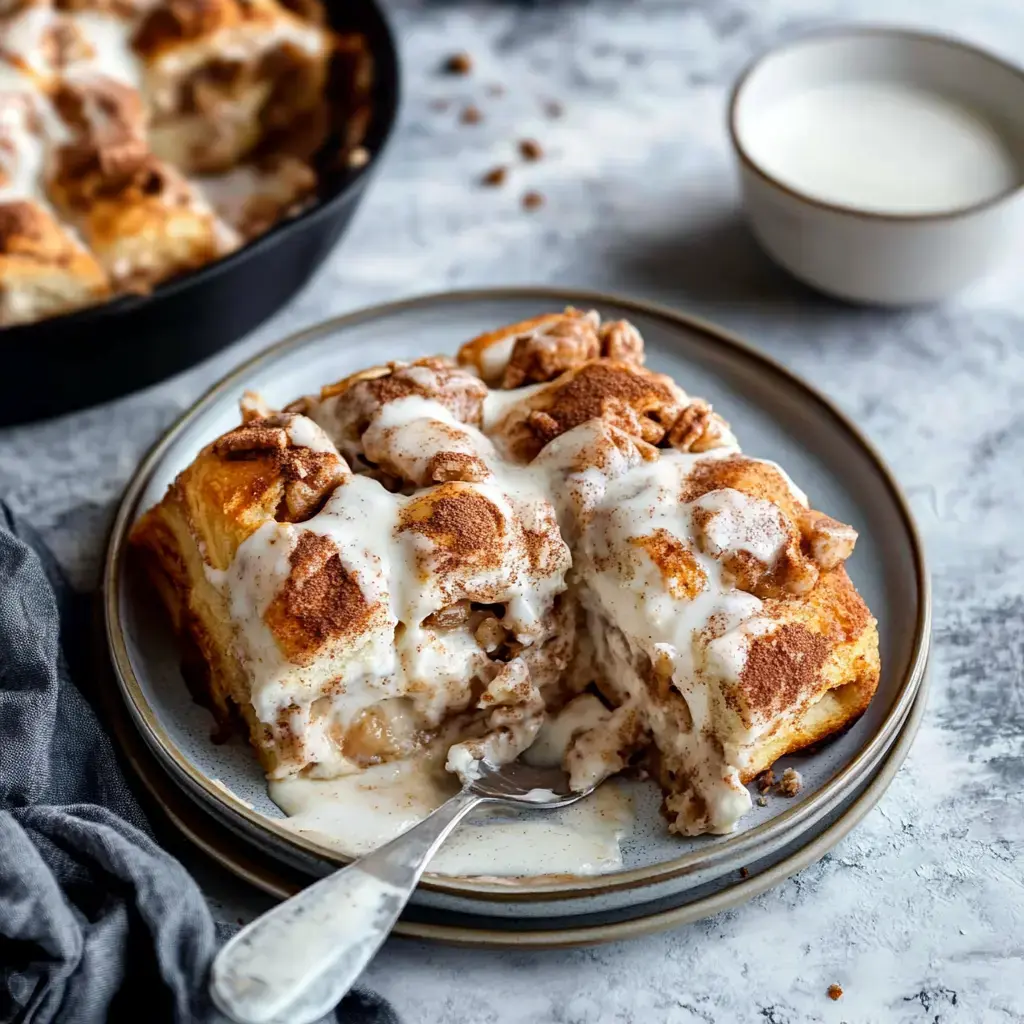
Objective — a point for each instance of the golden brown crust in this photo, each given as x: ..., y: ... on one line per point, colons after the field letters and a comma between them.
x: 43, y: 270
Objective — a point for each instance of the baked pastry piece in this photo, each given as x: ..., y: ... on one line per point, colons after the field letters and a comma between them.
x: 44, y: 269
x: 161, y: 135
x: 218, y: 75
x: 141, y: 218
x: 412, y: 557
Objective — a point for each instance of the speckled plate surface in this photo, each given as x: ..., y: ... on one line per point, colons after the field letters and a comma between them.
x: 774, y: 414
x: 271, y: 876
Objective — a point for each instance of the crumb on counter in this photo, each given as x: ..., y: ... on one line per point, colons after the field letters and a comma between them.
x: 459, y: 64
x: 471, y: 115
x: 834, y: 992
x: 530, y: 149
x: 495, y: 177
x: 791, y: 783
x: 744, y: 873
x: 532, y: 200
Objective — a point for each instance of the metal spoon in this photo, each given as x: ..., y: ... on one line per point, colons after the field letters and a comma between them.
x: 296, y: 962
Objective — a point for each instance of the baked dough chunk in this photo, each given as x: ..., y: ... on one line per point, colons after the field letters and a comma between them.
x: 141, y: 139
x: 548, y: 539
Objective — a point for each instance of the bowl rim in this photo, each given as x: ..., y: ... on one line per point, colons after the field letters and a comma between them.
x: 386, y: 94
x: 465, y: 885
x: 829, y: 34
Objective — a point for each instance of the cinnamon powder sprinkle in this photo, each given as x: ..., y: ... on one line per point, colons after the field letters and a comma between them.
x: 588, y: 394
x: 462, y: 523
x: 320, y: 601
x: 834, y: 992
x: 782, y: 666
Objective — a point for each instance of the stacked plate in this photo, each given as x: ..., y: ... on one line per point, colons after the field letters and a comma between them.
x: 216, y: 792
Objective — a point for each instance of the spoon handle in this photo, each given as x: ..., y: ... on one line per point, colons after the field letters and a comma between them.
x: 296, y: 962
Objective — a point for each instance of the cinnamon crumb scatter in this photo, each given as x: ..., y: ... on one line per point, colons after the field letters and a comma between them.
x: 471, y: 115
x: 834, y: 992
x: 791, y: 783
x: 762, y: 801
x: 530, y: 149
x: 459, y: 64
x: 532, y: 201
x: 495, y: 177
x: 765, y: 780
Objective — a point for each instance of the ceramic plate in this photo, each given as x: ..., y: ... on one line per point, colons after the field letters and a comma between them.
x: 269, y: 875
x: 775, y: 415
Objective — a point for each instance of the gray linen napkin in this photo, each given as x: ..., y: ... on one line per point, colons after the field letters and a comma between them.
x: 97, y: 922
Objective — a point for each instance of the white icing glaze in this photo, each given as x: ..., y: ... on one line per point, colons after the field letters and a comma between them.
x: 497, y: 403
x: 21, y: 40
x: 110, y: 37
x: 22, y: 148
x: 358, y: 813
x: 668, y: 625
x: 560, y: 729
x: 304, y: 433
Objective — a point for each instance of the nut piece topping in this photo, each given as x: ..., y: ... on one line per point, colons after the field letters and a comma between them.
x: 551, y: 349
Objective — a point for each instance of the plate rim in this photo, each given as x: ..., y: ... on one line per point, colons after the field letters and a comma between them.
x: 463, y: 886
x: 264, y: 877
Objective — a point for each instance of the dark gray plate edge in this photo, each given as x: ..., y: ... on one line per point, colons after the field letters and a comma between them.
x: 809, y: 810
x: 252, y: 869
x: 313, y: 868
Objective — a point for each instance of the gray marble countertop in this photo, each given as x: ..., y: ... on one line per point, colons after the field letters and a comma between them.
x: 919, y: 914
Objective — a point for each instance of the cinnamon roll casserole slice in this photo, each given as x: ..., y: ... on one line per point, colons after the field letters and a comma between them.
x: 542, y: 533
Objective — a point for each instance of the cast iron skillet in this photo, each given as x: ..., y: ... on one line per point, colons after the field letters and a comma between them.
x: 90, y: 356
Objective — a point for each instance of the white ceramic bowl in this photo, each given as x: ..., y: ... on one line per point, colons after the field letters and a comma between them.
x: 916, y: 236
